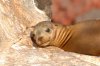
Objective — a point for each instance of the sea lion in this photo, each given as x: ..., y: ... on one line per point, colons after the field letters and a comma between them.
x: 83, y: 37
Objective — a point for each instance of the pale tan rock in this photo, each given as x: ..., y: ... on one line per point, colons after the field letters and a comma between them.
x: 15, y: 17
x: 51, y: 56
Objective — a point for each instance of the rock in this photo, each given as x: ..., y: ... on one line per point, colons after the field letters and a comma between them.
x: 46, y: 6
x: 50, y: 56
x: 15, y: 17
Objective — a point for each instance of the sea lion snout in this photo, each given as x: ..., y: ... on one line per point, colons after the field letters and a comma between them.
x: 40, y: 38
x: 35, y: 39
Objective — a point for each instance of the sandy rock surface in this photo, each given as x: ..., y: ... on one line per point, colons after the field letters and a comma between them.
x: 51, y: 56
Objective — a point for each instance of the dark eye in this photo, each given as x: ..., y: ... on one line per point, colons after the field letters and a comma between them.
x: 47, y: 30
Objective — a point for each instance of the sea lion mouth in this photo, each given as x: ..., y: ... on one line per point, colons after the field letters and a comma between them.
x: 46, y: 44
x: 36, y: 43
x: 43, y: 43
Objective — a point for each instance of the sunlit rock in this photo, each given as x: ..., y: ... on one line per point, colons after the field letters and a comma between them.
x: 50, y: 56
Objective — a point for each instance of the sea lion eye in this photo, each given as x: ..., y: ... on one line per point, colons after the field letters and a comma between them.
x: 47, y: 30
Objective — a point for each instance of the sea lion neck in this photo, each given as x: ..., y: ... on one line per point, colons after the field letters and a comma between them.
x: 62, y: 35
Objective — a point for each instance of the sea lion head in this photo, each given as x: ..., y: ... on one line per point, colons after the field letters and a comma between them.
x: 43, y: 33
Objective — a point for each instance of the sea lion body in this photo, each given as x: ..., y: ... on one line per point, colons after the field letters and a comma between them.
x: 81, y: 38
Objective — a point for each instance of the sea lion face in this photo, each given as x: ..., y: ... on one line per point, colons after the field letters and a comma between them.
x: 43, y: 33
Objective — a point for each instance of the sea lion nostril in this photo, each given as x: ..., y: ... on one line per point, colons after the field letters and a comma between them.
x: 40, y: 38
x: 32, y: 34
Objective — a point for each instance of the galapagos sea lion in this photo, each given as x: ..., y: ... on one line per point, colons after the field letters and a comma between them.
x: 83, y: 37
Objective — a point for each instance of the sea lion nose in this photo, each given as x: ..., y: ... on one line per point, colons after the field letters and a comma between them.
x: 32, y: 35
x: 40, y: 38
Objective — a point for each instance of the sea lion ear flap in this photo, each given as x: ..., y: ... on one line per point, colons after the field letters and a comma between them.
x: 52, y: 24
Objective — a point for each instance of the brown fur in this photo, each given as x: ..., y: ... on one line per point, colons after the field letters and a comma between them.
x: 82, y: 37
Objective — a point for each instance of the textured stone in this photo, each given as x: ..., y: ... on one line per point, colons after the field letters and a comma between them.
x: 50, y: 56
x: 16, y: 17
